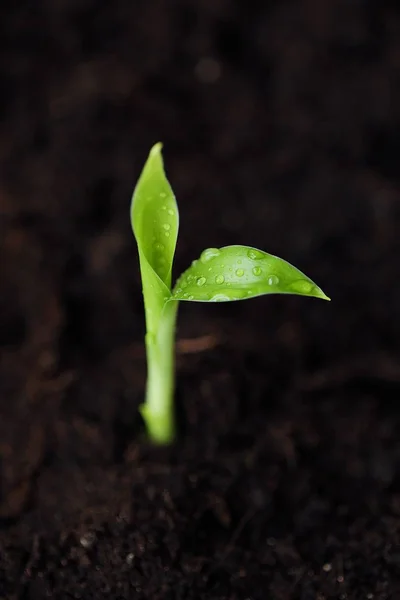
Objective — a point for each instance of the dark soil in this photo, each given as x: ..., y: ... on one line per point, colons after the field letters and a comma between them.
x: 281, y: 125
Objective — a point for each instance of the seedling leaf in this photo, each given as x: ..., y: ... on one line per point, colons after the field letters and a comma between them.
x: 239, y: 273
x: 155, y: 217
x: 155, y: 222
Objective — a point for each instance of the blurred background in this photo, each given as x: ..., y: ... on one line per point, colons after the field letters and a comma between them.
x: 281, y: 129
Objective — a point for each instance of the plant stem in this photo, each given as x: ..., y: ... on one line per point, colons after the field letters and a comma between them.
x: 158, y: 410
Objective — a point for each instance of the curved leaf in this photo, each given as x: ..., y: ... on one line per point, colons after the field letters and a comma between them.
x: 240, y: 272
x: 155, y: 217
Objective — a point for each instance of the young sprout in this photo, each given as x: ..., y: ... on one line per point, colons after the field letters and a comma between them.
x: 219, y: 275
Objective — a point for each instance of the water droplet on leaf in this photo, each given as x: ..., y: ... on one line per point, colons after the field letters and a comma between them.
x: 302, y: 286
x: 219, y: 298
x: 201, y: 281
x: 167, y: 226
x: 257, y: 271
x: 209, y: 254
x: 239, y: 272
x: 255, y: 254
x: 273, y: 280
x: 219, y: 279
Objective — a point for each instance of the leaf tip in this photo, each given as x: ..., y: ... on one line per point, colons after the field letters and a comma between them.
x: 320, y: 294
x: 156, y: 149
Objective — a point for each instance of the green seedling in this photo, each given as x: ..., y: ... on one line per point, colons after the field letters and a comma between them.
x: 219, y: 275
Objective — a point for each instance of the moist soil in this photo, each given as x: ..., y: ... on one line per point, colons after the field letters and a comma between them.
x: 281, y: 129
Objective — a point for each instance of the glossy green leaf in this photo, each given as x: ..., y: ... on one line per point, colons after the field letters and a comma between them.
x: 241, y: 272
x: 155, y: 222
x: 155, y: 217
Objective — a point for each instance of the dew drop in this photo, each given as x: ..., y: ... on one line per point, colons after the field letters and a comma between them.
x: 159, y: 247
x: 185, y: 295
x: 302, y: 286
x: 273, y: 280
x: 163, y: 195
x: 167, y: 226
x: 166, y: 234
x: 201, y: 281
x: 184, y: 284
x: 239, y: 272
x: 171, y: 212
x: 255, y: 254
x: 209, y: 254
x: 219, y: 298
x: 164, y: 207
x: 178, y: 290
x: 190, y: 297
x: 257, y: 271
x: 219, y: 279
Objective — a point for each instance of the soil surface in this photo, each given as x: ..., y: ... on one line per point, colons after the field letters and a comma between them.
x: 281, y: 125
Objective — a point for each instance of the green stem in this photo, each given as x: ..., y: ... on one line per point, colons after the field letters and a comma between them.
x: 158, y: 409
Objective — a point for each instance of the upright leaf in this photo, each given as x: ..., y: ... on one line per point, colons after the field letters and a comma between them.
x: 241, y: 272
x: 155, y: 217
x: 155, y: 222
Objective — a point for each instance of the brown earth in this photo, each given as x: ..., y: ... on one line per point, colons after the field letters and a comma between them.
x: 281, y: 125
